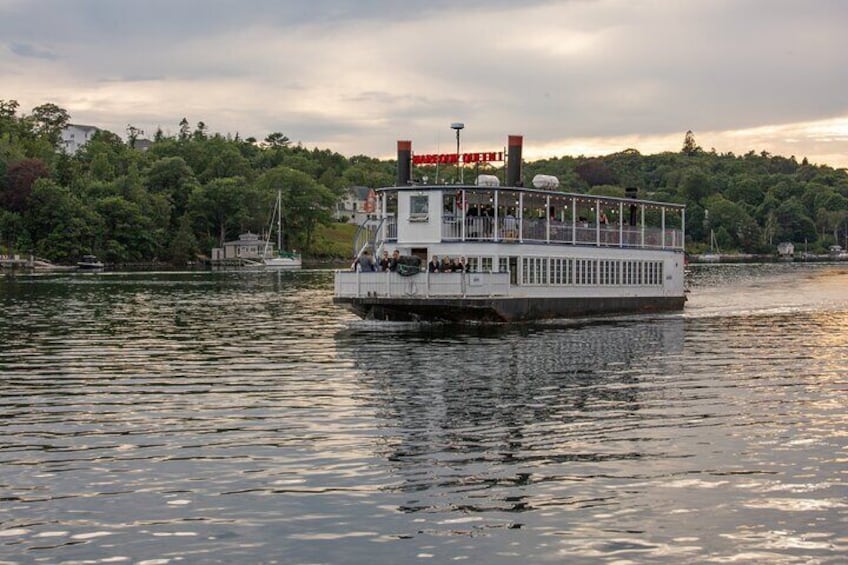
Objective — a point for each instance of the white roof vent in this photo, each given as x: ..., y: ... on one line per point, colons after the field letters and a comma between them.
x: 488, y: 180
x: 545, y: 181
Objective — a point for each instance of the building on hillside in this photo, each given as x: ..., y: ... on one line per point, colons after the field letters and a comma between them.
x: 74, y: 136
x: 142, y: 144
x: 352, y: 207
x: 786, y: 249
x: 247, y: 248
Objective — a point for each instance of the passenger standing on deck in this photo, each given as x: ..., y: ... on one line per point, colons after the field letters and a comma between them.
x: 510, y: 225
x: 364, y: 263
x: 393, y: 262
x: 385, y: 261
x: 433, y: 265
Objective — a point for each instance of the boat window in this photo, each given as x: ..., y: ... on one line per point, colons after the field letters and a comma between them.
x: 450, y: 203
x: 513, y: 270
x: 419, y: 206
x: 391, y: 199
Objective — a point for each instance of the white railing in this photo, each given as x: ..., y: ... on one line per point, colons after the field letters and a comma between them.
x: 388, y: 284
x: 390, y: 226
x: 535, y: 230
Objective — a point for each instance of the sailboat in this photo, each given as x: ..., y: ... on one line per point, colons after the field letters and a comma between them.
x: 282, y: 259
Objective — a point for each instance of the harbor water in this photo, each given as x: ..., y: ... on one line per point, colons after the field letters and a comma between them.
x: 241, y: 417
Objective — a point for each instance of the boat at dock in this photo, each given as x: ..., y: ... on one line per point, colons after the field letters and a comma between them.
x: 714, y: 253
x: 526, y: 253
x: 90, y: 263
x: 279, y: 258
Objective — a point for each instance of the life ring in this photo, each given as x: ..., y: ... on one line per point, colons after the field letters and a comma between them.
x: 370, y: 202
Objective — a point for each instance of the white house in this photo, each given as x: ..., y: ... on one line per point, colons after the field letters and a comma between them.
x: 75, y: 136
x: 786, y: 249
x: 353, y: 205
x: 247, y: 247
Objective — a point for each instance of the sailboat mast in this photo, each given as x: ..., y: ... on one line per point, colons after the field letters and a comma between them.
x: 279, y: 221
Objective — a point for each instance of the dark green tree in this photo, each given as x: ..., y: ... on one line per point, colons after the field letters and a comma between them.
x: 62, y: 227
x: 690, y: 148
x: 20, y: 179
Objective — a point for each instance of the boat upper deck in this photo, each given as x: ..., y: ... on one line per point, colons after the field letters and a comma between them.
x: 409, y: 215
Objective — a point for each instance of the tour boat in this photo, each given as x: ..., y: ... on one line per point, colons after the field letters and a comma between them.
x: 526, y: 253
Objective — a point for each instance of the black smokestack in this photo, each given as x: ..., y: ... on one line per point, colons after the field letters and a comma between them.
x: 631, y: 192
x: 404, y: 157
x: 513, y: 162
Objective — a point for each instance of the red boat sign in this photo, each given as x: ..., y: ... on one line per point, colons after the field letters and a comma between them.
x: 452, y: 158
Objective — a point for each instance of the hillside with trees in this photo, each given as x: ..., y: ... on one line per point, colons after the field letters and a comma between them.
x: 751, y: 202
x: 188, y: 192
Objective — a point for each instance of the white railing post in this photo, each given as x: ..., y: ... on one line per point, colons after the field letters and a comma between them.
x: 573, y: 221
x: 597, y: 223
x: 621, y: 224
x: 495, y: 219
x: 520, y: 217
x: 462, y: 215
x: 662, y: 223
x: 383, y: 227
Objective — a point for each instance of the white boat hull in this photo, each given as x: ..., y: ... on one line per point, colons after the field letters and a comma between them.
x: 283, y: 263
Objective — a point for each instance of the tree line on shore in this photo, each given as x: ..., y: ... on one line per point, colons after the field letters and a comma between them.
x: 750, y: 202
x: 188, y: 192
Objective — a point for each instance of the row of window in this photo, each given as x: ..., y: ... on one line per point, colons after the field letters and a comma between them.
x: 486, y: 265
x: 560, y: 271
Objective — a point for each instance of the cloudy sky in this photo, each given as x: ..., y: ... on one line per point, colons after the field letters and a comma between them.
x: 574, y: 77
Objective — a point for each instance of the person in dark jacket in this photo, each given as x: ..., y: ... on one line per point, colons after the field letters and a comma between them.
x: 434, y: 266
x: 384, y: 261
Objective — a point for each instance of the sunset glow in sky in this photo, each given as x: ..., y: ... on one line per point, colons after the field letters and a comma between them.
x: 573, y: 77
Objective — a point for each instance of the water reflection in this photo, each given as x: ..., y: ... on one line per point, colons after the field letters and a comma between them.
x: 482, y: 413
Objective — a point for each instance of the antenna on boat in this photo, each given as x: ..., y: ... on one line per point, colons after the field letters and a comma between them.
x: 458, y: 126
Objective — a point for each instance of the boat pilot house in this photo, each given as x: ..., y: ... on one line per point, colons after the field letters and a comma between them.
x: 489, y: 252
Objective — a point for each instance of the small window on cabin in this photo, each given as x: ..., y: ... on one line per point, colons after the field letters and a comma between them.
x: 419, y: 207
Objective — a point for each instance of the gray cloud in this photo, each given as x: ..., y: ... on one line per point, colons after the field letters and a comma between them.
x: 31, y: 51
x: 354, y: 77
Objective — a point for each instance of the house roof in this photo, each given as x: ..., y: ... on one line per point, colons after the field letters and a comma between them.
x: 247, y: 238
x: 359, y: 192
x: 82, y: 127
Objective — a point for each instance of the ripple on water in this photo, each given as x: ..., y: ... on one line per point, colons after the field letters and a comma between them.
x: 241, y: 417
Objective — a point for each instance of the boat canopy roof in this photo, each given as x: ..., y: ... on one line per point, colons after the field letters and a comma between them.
x: 535, y: 191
